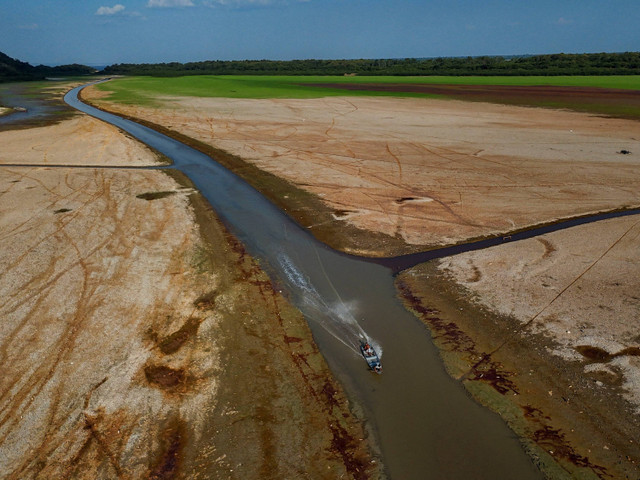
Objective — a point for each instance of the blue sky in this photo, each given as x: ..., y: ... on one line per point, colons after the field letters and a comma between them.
x: 101, y: 32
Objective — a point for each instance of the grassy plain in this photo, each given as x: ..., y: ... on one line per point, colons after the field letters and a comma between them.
x: 137, y: 89
x: 602, y: 95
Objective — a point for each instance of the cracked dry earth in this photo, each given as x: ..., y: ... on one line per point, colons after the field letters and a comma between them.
x: 131, y: 323
x: 429, y: 172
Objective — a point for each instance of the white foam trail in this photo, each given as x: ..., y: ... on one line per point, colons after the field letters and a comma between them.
x: 337, y: 317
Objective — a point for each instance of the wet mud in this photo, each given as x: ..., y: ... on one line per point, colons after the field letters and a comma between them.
x: 40, y: 106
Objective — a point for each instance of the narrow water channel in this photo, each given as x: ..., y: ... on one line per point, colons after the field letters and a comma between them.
x: 425, y: 423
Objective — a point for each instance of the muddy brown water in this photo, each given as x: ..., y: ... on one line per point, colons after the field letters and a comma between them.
x: 424, y: 422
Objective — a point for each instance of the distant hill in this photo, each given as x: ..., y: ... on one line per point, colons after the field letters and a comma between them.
x: 12, y: 70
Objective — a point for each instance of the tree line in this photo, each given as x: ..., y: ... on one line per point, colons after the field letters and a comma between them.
x: 627, y: 63
x: 554, y: 64
x: 12, y: 70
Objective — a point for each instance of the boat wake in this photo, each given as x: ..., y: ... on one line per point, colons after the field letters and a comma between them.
x: 336, y: 315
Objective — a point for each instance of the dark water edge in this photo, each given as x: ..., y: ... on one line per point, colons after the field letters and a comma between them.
x: 402, y: 262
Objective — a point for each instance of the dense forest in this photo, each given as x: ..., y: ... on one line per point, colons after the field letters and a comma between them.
x: 556, y: 64
x: 12, y: 70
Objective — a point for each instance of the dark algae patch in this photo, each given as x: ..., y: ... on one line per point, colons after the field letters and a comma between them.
x: 174, y: 342
x: 599, y: 355
x: 206, y: 301
x: 168, y: 462
x: 154, y: 195
x: 164, y: 377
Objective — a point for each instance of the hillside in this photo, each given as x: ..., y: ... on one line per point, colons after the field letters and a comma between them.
x: 12, y: 70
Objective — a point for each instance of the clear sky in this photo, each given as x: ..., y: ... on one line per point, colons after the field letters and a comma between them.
x: 101, y: 32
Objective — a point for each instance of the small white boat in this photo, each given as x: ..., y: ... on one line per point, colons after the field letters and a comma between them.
x: 370, y: 355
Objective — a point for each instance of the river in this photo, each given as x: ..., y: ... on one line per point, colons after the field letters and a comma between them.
x: 424, y: 422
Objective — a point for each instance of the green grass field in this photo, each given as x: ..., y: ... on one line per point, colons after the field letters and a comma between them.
x: 147, y: 90
x: 143, y: 89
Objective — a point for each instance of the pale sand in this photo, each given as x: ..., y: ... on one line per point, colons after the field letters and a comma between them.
x: 580, y: 287
x: 80, y: 288
x: 82, y: 140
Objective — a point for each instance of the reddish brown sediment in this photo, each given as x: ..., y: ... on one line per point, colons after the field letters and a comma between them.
x: 607, y: 101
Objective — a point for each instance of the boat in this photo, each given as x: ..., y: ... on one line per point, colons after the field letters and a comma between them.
x: 370, y: 355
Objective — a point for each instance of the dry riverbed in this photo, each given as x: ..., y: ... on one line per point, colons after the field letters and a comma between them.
x: 545, y: 331
x: 138, y: 340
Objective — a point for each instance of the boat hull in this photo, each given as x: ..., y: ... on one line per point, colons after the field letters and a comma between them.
x: 371, y: 357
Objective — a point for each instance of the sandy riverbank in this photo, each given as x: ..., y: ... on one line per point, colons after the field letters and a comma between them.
x: 554, y: 348
x: 129, y: 322
x: 83, y: 140
x: 413, y: 173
